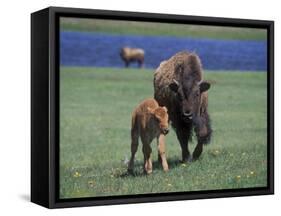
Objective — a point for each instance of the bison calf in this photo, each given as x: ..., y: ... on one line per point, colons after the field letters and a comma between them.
x: 149, y: 121
x: 129, y: 55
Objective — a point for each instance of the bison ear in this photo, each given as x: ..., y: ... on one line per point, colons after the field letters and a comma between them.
x: 204, y: 86
x: 174, y: 86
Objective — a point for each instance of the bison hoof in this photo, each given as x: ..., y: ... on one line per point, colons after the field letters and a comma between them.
x: 183, y: 161
x: 130, y: 171
x: 190, y: 159
x: 195, y: 157
x: 187, y: 160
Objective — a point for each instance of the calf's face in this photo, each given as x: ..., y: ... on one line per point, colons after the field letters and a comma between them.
x: 188, y: 95
x: 161, y: 118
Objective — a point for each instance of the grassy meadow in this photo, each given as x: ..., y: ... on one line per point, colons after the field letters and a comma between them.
x: 165, y: 29
x: 95, y: 112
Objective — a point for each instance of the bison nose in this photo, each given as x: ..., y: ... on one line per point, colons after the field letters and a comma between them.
x: 165, y: 131
x: 187, y: 114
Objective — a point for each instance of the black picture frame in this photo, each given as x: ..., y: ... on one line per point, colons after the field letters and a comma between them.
x: 45, y: 106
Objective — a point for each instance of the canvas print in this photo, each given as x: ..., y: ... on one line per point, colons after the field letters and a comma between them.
x: 150, y: 107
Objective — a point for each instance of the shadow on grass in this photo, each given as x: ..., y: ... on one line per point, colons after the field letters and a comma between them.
x: 138, y: 171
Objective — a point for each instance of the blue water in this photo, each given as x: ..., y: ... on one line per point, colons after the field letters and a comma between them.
x: 102, y: 50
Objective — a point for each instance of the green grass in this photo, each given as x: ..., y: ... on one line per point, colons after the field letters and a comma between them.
x: 96, y: 106
x: 150, y: 28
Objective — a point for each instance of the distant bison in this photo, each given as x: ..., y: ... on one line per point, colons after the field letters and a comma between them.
x: 129, y: 55
x: 179, y: 85
x: 149, y: 121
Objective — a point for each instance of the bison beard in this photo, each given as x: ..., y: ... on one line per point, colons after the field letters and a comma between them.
x: 202, y: 127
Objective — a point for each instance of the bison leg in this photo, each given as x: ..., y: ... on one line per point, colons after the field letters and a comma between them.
x: 203, y: 133
x: 183, y: 136
x: 147, y: 158
x: 162, y: 153
x: 134, y: 148
x: 197, y: 151
x: 126, y: 64
x: 140, y: 63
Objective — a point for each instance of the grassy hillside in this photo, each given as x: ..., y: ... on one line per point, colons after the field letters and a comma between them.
x: 96, y: 106
x: 149, y: 28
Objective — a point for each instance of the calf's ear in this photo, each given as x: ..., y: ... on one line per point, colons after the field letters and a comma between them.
x: 204, y: 86
x: 150, y: 110
x: 174, y: 86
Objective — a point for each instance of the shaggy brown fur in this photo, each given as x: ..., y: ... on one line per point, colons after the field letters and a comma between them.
x: 149, y: 121
x: 129, y: 55
x: 179, y: 85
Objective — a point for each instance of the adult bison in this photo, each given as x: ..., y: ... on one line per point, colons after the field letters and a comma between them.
x: 129, y: 55
x: 179, y: 85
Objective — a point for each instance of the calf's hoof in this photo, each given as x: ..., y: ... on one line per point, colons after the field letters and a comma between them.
x: 165, y: 166
x: 148, y: 172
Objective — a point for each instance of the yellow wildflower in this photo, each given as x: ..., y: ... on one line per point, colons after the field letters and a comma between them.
x: 91, y: 183
x: 77, y: 174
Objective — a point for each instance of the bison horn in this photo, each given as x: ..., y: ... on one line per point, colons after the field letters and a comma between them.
x: 200, y: 82
x: 175, y: 81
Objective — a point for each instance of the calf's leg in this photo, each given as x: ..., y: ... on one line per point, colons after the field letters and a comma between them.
x: 134, y: 148
x: 147, y: 158
x: 162, y: 152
